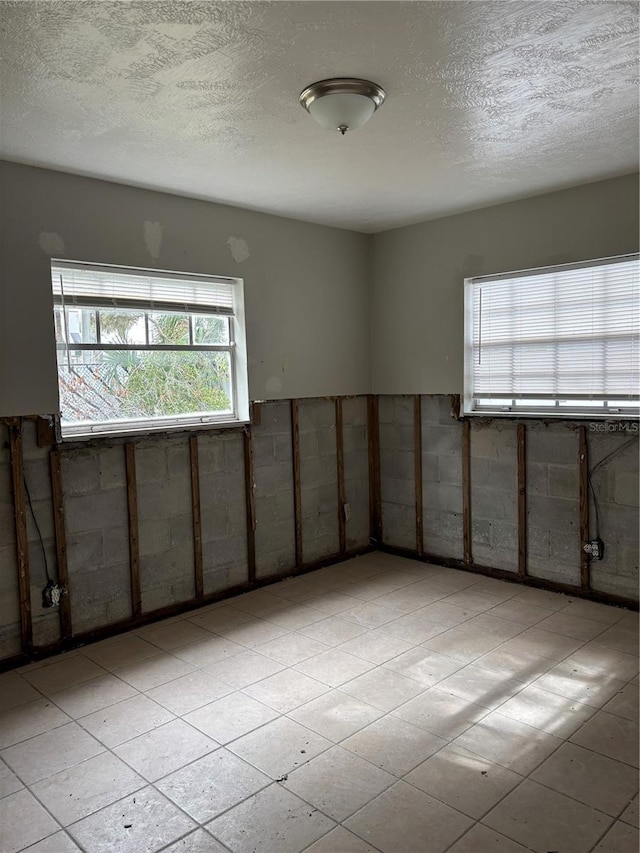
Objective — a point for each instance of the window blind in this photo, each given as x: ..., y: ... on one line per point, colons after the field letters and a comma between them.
x: 543, y: 338
x: 94, y: 285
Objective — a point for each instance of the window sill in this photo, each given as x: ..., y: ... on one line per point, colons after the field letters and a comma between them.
x: 145, y: 431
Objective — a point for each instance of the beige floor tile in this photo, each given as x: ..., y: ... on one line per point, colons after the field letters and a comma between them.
x: 545, y: 820
x: 291, y: 649
x: 258, y: 603
x: 26, y: 721
x: 333, y: 631
x: 332, y: 603
x: 441, y: 713
x: 393, y: 744
x: 221, y: 616
x: 120, y: 651
x: 334, y: 667
x: 213, y: 784
x: 579, y: 773
x: 338, y: 782
x: 125, y: 720
x: 367, y: 589
x: 63, y: 673
x: 340, y: 839
x: 405, y: 819
x: 471, y: 599
x: 375, y: 647
x: 570, y: 680
x: 522, y: 612
x: 414, y: 628
x: 610, y: 735
x: 408, y: 599
x: 383, y: 688
x: 369, y: 614
x: 467, y: 782
x: 504, y: 741
x: 155, y: 671
x: 279, y: 747
x: 335, y: 715
x: 140, y: 823
x: 286, y: 690
x: 199, y: 841
x: 46, y: 754
x: 630, y: 814
x: 9, y: 782
x: 462, y: 644
x: 59, y: 842
x: 273, y: 819
x: 621, y: 838
x: 83, y: 789
x: 622, y: 636
x: 15, y: 691
x: 189, y: 692
x: 481, y: 686
x: 423, y: 665
x: 624, y: 703
x: 23, y: 822
x: 480, y: 839
x: 596, y: 658
x: 523, y: 667
x: 245, y: 668
x: 570, y: 625
x: 93, y: 695
x: 171, y: 635
x: 295, y: 616
x: 488, y: 625
x: 544, y: 643
x: 206, y: 652
x: 165, y: 749
x: 230, y: 717
x: 548, y: 600
x: 556, y: 715
x: 597, y: 612
x: 254, y: 633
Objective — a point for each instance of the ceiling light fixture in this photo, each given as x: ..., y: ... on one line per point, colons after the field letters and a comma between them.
x: 342, y: 103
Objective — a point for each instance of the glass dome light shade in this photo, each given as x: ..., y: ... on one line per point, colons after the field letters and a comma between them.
x: 342, y: 110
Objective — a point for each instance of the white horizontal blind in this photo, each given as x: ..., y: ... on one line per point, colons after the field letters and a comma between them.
x: 94, y: 285
x: 543, y: 338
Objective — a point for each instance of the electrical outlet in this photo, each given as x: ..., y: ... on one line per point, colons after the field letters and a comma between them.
x: 347, y: 511
x: 51, y: 594
x: 594, y: 548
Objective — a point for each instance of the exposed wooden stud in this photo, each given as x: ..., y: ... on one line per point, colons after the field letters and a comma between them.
x: 417, y: 454
x: 522, y: 500
x: 256, y: 414
x: 250, y: 504
x: 466, y: 491
x: 22, y: 548
x: 297, y: 491
x: 196, y: 515
x: 45, y: 434
x: 342, y: 535
x: 583, y: 462
x: 61, y: 542
x: 375, y: 498
x: 134, y: 541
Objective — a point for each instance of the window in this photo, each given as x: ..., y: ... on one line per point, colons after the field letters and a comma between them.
x: 142, y: 350
x: 560, y: 341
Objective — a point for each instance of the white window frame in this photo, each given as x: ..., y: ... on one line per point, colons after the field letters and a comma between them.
x: 568, y: 406
x: 237, y: 346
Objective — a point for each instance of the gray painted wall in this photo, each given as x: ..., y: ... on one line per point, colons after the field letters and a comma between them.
x: 417, y: 316
x: 306, y: 286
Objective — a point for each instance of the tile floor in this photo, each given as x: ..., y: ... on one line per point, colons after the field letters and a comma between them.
x: 378, y: 705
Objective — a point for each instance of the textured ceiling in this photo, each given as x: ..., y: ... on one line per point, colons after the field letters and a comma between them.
x: 487, y: 101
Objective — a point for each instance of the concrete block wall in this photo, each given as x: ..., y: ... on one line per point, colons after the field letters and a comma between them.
x: 9, y: 597
x: 553, y: 502
x: 494, y: 495
x: 356, y: 470
x: 273, y: 489
x: 615, y: 484
x: 318, y: 479
x: 223, y: 513
x: 95, y: 502
x: 441, y: 478
x: 397, y: 471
